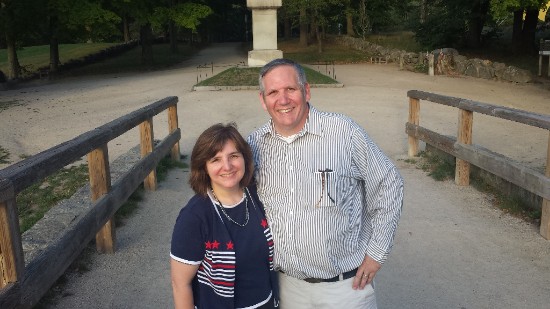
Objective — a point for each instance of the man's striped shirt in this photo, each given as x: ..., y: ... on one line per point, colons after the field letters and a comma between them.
x: 331, y: 195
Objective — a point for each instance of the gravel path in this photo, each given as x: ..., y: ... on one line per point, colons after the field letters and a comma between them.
x: 453, y: 248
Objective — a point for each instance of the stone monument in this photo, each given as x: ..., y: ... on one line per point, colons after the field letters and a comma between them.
x: 264, y: 32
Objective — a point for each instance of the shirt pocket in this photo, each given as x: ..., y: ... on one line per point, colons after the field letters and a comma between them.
x: 324, y: 188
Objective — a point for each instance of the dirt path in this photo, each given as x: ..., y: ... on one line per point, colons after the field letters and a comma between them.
x: 453, y: 248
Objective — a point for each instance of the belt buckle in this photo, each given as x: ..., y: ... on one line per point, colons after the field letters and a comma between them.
x: 313, y: 280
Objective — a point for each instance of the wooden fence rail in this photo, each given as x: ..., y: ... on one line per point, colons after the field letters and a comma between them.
x: 466, y: 153
x: 23, y: 283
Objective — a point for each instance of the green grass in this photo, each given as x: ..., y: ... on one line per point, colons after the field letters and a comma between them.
x: 398, y: 40
x: 4, y: 155
x: 332, y: 53
x: 509, y: 203
x: 82, y: 263
x: 130, y: 61
x: 440, y: 169
x: 34, y: 57
x: 249, y: 77
x: 36, y: 200
x: 7, y: 104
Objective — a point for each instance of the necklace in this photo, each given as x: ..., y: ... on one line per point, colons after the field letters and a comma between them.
x: 247, y: 215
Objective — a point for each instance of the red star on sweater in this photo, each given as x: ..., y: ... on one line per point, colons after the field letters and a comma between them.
x: 208, y: 245
x: 229, y: 245
x: 215, y: 245
x: 264, y: 223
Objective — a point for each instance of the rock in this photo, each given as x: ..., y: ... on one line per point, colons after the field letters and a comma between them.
x: 516, y: 75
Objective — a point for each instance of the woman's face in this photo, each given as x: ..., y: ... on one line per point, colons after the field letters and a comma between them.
x: 226, y: 168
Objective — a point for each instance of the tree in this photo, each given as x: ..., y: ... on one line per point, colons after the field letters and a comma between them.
x: 16, y: 21
x: 86, y: 20
x: 523, y: 29
x: 350, y: 12
x: 452, y: 23
x: 186, y: 15
x: 475, y: 22
x: 317, y: 13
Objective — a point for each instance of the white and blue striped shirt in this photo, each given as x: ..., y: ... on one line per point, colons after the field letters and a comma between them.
x: 331, y: 195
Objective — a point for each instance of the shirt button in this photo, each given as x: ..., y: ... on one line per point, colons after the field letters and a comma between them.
x: 292, y: 190
x: 291, y: 213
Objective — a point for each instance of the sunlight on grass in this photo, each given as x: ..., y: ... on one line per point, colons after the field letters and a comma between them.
x: 130, y: 61
x: 249, y: 77
x: 35, y: 57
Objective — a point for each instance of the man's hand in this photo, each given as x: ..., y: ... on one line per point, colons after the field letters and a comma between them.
x: 365, y: 273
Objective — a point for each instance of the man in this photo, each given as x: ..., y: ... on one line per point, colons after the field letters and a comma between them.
x: 332, y: 197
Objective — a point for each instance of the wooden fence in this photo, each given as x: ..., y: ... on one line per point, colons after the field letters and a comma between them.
x: 23, y: 283
x: 465, y: 153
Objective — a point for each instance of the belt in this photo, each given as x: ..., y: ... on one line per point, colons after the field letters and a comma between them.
x: 344, y: 276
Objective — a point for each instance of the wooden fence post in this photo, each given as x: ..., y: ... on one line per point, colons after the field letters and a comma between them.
x: 431, y: 70
x: 172, y: 126
x: 464, y: 136
x: 545, y: 216
x: 12, y: 261
x: 100, y: 184
x: 146, y: 146
x: 414, y: 118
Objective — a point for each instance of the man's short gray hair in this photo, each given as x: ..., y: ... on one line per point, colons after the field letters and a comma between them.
x: 302, y: 81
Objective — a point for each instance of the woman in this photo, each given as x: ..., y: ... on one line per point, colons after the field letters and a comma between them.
x: 222, y: 249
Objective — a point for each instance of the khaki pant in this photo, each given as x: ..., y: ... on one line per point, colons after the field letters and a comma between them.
x: 299, y: 294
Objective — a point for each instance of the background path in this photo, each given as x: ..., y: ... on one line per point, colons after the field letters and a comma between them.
x: 453, y: 248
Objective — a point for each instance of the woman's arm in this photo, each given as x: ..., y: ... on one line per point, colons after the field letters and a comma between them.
x: 182, y: 275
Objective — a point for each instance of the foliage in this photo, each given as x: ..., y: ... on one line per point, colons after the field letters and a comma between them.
x: 444, y: 26
x: 501, y: 9
x: 84, y: 19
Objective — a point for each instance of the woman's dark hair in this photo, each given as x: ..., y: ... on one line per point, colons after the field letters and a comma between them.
x: 209, y: 143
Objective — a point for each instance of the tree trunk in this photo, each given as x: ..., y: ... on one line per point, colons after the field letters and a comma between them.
x: 478, y: 15
x: 287, y: 28
x: 516, y: 30
x: 313, y: 30
x: 349, y: 23
x: 529, y: 29
x: 146, y: 37
x: 423, y: 11
x: 303, y: 27
x: 319, y: 40
x: 14, y: 69
x: 126, y: 29
x: 173, y: 33
x: 54, y: 45
x: 10, y: 30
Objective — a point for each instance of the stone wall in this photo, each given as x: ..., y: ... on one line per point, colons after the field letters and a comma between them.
x: 454, y: 64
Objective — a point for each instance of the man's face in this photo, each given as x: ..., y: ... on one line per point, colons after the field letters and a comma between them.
x: 284, y: 101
